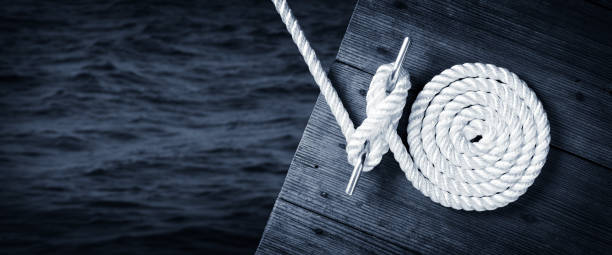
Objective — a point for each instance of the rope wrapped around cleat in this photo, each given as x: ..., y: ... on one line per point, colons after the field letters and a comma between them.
x: 478, y: 135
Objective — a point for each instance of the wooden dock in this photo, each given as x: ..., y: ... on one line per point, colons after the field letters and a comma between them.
x: 562, y: 49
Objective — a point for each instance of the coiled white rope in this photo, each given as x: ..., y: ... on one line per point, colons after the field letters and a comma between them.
x: 478, y: 136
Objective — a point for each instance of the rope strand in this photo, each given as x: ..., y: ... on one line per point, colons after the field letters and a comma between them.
x: 478, y: 135
x: 314, y: 65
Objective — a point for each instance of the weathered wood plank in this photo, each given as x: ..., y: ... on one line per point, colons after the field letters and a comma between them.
x: 565, y: 210
x: 294, y: 230
x: 561, y: 41
x: 571, y: 74
x: 569, y: 16
x: 553, y: 28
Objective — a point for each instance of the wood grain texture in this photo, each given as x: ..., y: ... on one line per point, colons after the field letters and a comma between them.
x: 567, y: 210
x: 570, y: 73
x: 294, y: 230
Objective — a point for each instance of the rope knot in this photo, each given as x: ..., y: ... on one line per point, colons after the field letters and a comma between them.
x: 385, y: 104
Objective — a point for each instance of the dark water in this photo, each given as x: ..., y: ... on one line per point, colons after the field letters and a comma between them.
x: 150, y: 126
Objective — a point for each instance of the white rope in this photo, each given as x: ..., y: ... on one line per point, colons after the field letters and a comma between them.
x: 478, y: 136
x: 314, y: 65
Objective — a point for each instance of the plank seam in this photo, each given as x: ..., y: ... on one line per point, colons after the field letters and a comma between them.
x: 519, y: 43
x: 347, y: 225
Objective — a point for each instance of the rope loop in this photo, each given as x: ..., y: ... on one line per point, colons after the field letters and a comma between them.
x: 383, y: 110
